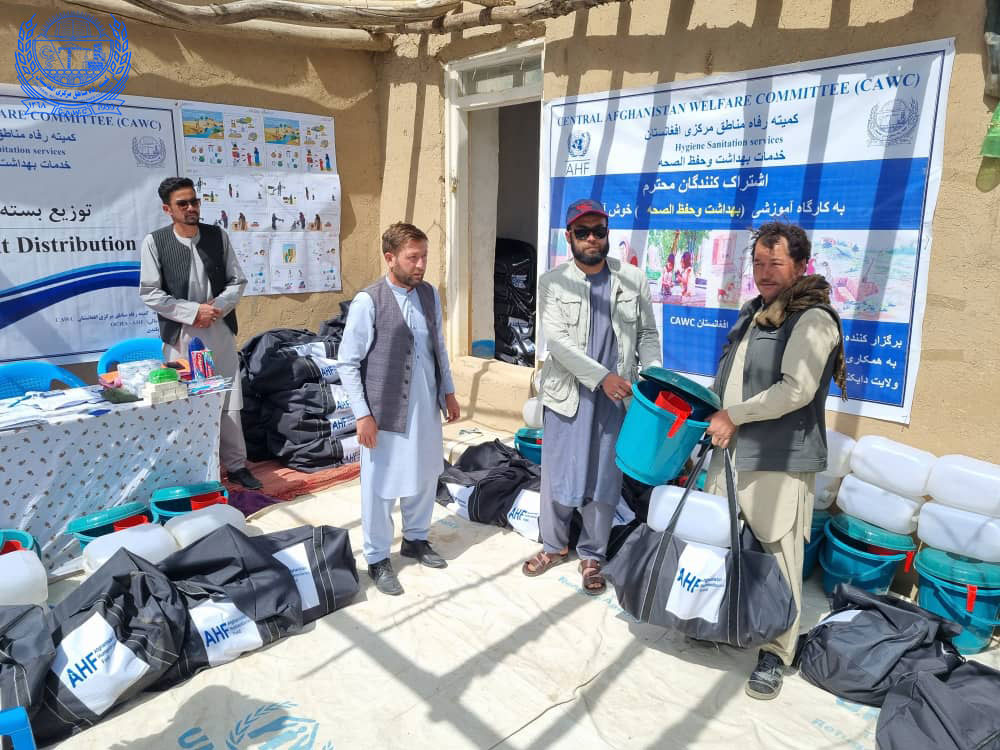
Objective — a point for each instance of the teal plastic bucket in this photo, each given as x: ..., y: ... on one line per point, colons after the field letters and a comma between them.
x: 170, y: 502
x: 975, y: 608
x: 87, y: 528
x: 844, y: 563
x: 11, y: 539
x: 652, y: 447
x: 527, y: 441
x: 815, y: 543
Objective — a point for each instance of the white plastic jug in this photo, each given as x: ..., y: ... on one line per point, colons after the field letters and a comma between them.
x: 883, y: 508
x: 825, y: 490
x: 839, y: 448
x: 532, y: 413
x: 891, y: 465
x: 22, y: 578
x: 198, y: 523
x: 150, y: 541
x: 960, y: 531
x: 705, y: 517
x: 966, y: 483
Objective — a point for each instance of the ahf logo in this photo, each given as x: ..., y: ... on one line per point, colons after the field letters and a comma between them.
x: 579, y: 143
x: 893, y: 122
x: 688, y: 581
x: 72, y: 65
x: 268, y: 727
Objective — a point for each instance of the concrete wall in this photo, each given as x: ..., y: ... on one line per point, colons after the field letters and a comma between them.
x: 656, y: 41
x: 295, y: 77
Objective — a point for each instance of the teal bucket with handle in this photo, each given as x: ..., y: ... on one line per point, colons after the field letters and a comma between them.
x: 964, y: 590
x: 815, y: 543
x: 845, y: 559
x: 654, y: 443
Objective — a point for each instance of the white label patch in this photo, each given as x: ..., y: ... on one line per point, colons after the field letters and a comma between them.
x: 94, y: 666
x: 225, y: 631
x: 296, y: 559
x: 700, y: 583
x: 523, y: 515
x: 461, y: 497
x: 846, y: 616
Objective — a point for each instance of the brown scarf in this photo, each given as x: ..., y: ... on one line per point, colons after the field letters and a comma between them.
x: 807, y: 292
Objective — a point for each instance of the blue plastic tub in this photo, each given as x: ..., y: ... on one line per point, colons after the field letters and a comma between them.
x: 816, y: 537
x: 87, y: 528
x: 844, y: 563
x: 966, y: 600
x: 525, y: 443
x: 19, y: 538
x: 169, y: 502
x: 652, y: 447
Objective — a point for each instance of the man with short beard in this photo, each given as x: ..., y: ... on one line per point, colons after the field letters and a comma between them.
x: 598, y: 322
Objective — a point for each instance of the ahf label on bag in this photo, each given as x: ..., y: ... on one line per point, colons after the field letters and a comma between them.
x: 296, y: 559
x: 225, y: 630
x: 700, y: 585
x: 94, y: 666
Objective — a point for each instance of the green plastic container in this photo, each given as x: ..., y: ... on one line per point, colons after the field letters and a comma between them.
x: 168, y: 502
x: 964, y: 590
x: 87, y: 528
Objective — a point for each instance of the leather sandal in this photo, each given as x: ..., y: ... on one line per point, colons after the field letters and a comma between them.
x: 542, y: 562
x: 594, y: 583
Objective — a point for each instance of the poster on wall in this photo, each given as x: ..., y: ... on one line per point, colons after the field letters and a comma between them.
x: 270, y: 180
x: 849, y: 148
x: 77, y: 196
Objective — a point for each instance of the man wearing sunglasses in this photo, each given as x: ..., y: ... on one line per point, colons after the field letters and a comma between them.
x: 190, y: 277
x: 599, y: 326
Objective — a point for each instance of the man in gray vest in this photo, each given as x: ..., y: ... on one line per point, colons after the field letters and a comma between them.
x: 775, y: 372
x: 190, y: 277
x: 393, y: 363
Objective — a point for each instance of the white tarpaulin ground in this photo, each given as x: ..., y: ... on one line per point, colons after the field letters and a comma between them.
x: 478, y: 656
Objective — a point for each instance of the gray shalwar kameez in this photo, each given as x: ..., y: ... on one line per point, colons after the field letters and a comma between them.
x: 578, y: 452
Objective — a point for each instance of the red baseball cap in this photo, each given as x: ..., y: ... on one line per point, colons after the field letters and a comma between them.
x: 583, y: 207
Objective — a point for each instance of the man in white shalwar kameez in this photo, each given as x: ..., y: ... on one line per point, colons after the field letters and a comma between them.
x: 394, y: 366
x: 190, y: 277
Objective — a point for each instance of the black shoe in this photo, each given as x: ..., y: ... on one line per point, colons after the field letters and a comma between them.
x: 765, y: 681
x: 245, y: 477
x: 385, y: 578
x: 421, y: 550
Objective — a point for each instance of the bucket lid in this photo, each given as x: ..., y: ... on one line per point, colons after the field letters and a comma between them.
x: 104, y: 517
x: 529, y: 433
x: 959, y: 569
x: 679, y: 383
x: 820, y: 517
x: 869, y: 533
x: 186, y: 490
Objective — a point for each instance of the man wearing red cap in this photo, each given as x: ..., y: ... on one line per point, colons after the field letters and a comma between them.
x: 599, y: 327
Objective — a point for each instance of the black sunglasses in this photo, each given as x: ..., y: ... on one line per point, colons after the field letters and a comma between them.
x: 193, y: 202
x: 582, y: 233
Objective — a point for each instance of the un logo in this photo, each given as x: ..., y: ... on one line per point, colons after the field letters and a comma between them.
x: 579, y: 143
x: 72, y: 65
x: 893, y: 122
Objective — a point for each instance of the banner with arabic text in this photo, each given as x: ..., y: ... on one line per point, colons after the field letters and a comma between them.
x: 849, y: 148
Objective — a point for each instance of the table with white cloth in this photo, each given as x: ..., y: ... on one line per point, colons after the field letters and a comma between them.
x: 70, y: 465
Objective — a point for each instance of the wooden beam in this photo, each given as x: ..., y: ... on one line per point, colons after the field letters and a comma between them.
x: 351, y: 13
x: 492, y: 3
x: 266, y: 30
x: 507, y: 15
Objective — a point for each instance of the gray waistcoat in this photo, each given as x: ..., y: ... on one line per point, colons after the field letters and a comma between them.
x: 386, y: 369
x: 796, y: 441
x: 175, y: 271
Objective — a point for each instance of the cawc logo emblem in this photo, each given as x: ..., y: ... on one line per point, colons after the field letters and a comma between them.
x: 893, y: 122
x: 270, y: 726
x: 579, y: 143
x: 72, y: 65
x: 149, y: 151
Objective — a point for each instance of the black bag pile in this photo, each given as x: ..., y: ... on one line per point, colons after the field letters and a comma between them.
x: 294, y: 408
x: 514, y: 302
x: 134, y: 626
x: 885, y: 651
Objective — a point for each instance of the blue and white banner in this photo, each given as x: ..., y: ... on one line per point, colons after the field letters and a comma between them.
x: 849, y: 148
x: 77, y: 196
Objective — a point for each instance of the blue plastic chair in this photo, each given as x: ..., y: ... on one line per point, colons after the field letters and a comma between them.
x: 18, y: 378
x: 14, y: 724
x: 129, y: 350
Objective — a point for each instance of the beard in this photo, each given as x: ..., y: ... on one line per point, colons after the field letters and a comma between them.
x: 409, y: 280
x: 592, y: 258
